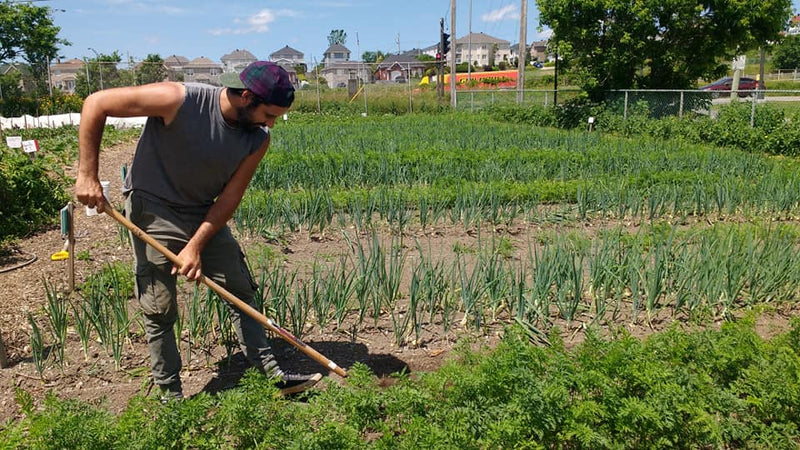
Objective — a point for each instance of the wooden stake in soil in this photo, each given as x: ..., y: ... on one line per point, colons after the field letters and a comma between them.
x: 3, y: 354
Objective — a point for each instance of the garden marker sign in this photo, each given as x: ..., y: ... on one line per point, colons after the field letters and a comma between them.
x: 31, y: 146
x: 14, y: 141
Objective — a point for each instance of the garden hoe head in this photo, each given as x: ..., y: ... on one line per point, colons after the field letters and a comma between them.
x: 222, y: 292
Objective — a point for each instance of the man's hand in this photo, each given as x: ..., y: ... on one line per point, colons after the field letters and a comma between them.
x: 89, y: 191
x: 191, y: 265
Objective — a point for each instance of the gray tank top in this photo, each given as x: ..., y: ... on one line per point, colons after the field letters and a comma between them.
x: 188, y: 162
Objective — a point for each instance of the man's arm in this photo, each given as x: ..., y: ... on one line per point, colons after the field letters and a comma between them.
x: 153, y: 100
x: 219, y: 214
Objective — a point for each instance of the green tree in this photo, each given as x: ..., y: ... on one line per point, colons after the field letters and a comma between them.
x: 617, y: 44
x: 103, y: 74
x: 151, y: 70
x: 337, y: 37
x: 27, y: 32
x: 373, y: 57
x: 787, y: 54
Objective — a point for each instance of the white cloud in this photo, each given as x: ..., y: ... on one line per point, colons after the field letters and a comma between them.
x: 506, y: 13
x: 145, y: 7
x: 259, y: 22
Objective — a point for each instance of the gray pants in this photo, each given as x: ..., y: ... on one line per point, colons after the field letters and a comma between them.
x: 222, y: 261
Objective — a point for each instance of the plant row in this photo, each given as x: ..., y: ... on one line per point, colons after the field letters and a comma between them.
x: 711, y: 389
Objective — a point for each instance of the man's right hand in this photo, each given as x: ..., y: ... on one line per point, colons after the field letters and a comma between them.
x: 89, y: 192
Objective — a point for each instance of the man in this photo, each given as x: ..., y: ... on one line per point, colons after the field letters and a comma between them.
x: 196, y: 156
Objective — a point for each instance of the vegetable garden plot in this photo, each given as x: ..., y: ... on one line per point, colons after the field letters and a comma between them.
x: 418, y: 230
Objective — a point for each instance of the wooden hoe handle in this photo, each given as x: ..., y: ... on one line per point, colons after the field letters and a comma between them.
x: 244, y: 307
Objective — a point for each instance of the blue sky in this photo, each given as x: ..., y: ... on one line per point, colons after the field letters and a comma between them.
x: 194, y: 28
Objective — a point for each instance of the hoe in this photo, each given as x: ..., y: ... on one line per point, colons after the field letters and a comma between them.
x: 244, y: 307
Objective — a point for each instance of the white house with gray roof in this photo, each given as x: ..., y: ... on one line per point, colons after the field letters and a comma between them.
x: 202, y: 70
x: 237, y: 60
x: 336, y: 53
x: 478, y: 48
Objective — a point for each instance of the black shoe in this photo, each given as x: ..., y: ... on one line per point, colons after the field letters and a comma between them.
x: 292, y: 383
x: 170, y: 392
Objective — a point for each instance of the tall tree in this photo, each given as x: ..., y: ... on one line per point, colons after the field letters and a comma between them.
x: 787, y: 54
x: 27, y: 32
x: 151, y: 70
x: 617, y: 44
x: 337, y: 37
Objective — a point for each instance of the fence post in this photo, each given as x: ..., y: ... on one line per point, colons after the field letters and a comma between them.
x: 680, y: 112
x: 625, y: 111
x: 753, y: 110
x: 3, y: 354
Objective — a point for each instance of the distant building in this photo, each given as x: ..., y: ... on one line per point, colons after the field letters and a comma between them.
x: 336, y: 53
x: 478, y: 48
x: 537, y: 52
x: 237, y: 60
x: 289, y: 58
x: 175, y: 65
x: 26, y: 83
x: 794, y: 25
x: 399, y: 67
x: 63, y: 75
x: 202, y: 70
x: 430, y: 51
x: 337, y: 74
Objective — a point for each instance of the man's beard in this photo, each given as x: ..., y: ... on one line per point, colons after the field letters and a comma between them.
x: 244, y: 118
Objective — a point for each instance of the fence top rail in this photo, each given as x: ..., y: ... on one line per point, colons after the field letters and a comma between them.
x: 647, y: 91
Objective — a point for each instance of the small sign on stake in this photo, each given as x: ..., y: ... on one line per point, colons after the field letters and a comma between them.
x: 30, y: 147
x: 14, y: 141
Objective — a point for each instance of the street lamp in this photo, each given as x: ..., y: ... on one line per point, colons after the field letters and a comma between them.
x: 99, y: 65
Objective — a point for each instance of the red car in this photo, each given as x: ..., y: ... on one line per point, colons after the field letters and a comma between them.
x: 724, y: 84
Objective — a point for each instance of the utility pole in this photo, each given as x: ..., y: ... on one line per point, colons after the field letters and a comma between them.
x: 88, y: 84
x: 453, y: 96
x: 398, y: 44
x: 363, y: 70
x: 469, y: 45
x: 523, y: 51
x: 441, y: 56
x: 555, y: 79
x: 99, y: 65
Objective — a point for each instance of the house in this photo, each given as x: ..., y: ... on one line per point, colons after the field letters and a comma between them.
x: 25, y: 80
x: 481, y: 49
x: 430, y: 51
x: 175, y: 65
x: 202, y: 70
x: 794, y: 26
x: 63, y: 75
x: 237, y: 60
x: 337, y: 74
x: 336, y: 53
x: 399, y: 67
x: 289, y: 58
x: 537, y: 52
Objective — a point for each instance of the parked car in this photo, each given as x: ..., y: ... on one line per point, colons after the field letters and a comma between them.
x: 537, y: 64
x: 722, y: 85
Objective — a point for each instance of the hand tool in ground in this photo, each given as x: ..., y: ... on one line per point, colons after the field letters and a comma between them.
x: 62, y: 254
x: 244, y: 307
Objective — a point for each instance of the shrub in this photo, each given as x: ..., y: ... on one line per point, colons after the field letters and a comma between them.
x: 29, y: 197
